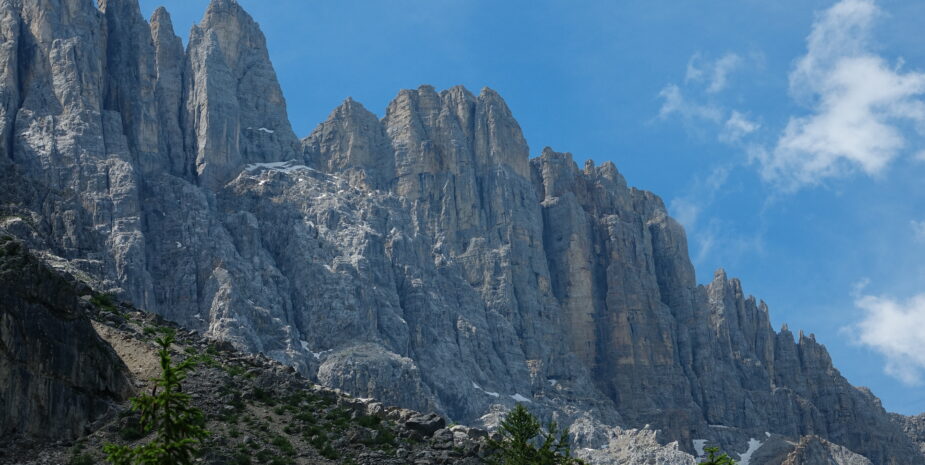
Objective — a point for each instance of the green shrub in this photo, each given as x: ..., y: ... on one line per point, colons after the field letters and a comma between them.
x: 329, y: 453
x: 284, y: 445
x: 369, y: 421
x: 82, y: 459
x: 263, y: 397
x: 241, y: 459
x: 103, y: 302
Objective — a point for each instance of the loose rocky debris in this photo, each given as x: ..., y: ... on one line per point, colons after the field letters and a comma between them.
x: 256, y: 409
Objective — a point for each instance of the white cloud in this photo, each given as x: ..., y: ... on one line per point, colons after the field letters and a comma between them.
x: 697, y: 102
x: 737, y: 127
x: 893, y: 328
x: 686, y: 211
x: 857, y: 102
x: 675, y: 104
x: 857, y: 289
x: 715, y: 73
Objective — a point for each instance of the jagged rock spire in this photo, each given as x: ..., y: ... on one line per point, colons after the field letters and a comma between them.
x: 235, y: 110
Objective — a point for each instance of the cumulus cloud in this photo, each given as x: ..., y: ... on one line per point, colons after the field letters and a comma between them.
x: 858, y: 103
x: 697, y: 101
x: 675, y: 104
x: 893, y: 328
x: 737, y: 127
x: 715, y: 73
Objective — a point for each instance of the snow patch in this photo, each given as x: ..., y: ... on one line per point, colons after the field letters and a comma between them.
x: 179, y: 245
x: 520, y: 398
x: 283, y: 166
x: 493, y: 394
x: 745, y: 457
x: 699, y: 445
x: 268, y: 131
x: 317, y: 355
x: 767, y: 434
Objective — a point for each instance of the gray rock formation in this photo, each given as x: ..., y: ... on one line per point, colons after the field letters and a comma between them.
x: 234, y: 109
x: 58, y: 376
x: 813, y: 449
x: 914, y: 427
x: 422, y: 259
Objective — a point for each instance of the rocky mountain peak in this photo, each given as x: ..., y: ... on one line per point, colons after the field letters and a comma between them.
x: 235, y: 108
x: 238, y: 35
x: 169, y: 59
x: 353, y: 143
x: 173, y: 179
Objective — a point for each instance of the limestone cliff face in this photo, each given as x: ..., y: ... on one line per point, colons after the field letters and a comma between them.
x: 422, y: 259
x: 234, y: 110
x: 914, y: 427
x: 57, y: 375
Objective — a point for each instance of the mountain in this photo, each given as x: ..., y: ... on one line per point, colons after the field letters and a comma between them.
x: 77, y: 355
x: 422, y: 259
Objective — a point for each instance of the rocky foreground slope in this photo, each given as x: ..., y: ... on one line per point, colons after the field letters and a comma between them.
x: 422, y: 259
x: 68, y: 402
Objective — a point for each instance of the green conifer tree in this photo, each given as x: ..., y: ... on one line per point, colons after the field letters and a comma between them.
x: 714, y: 459
x: 168, y: 413
x: 523, y: 442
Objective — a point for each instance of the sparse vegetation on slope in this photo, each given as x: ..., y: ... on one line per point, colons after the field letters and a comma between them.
x: 523, y: 442
x: 257, y: 410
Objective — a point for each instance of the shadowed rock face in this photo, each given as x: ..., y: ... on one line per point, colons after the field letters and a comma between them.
x: 914, y: 426
x: 422, y: 259
x: 58, y: 375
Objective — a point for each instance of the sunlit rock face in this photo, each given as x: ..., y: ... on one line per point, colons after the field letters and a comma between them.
x: 422, y: 258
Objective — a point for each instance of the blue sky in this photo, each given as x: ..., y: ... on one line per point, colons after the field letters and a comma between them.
x: 787, y: 136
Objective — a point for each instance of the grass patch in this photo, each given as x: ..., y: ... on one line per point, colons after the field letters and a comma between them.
x: 82, y: 459
x: 284, y: 445
x: 369, y: 421
x: 104, y: 302
x: 263, y: 396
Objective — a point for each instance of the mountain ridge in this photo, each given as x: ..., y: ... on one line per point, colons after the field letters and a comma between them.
x: 371, y: 252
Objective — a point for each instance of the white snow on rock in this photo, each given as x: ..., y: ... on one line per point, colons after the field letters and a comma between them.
x: 493, y: 394
x: 745, y: 457
x: 317, y: 355
x: 520, y: 398
x: 283, y: 166
x: 699, y: 445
